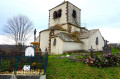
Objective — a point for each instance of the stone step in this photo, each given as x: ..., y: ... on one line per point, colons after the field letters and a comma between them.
x: 5, y: 76
x: 27, y: 77
x: 22, y: 77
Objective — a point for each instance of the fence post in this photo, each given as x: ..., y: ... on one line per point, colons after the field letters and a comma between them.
x: 45, y: 62
x: 15, y: 67
x: 0, y: 60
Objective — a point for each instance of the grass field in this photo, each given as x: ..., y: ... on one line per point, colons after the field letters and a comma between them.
x: 65, y: 69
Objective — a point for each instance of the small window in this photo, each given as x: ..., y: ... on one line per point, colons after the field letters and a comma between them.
x: 59, y: 12
x: 74, y: 14
x: 54, y: 42
x: 55, y: 15
x: 96, y: 40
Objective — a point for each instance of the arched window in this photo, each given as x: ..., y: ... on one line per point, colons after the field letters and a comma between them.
x: 96, y: 40
x: 54, y: 42
x: 55, y: 15
x: 59, y: 12
x: 74, y: 14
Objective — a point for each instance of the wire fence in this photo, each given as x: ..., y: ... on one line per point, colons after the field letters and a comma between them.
x: 26, y: 65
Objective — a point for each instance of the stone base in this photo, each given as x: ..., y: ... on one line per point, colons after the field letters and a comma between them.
x: 22, y: 77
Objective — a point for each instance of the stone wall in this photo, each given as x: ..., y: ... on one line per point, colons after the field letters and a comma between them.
x: 60, y: 20
x: 57, y: 49
x: 71, y: 46
x: 74, y: 21
x: 92, y: 41
x: 44, y: 40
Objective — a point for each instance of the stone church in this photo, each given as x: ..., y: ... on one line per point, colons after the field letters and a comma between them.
x: 65, y: 33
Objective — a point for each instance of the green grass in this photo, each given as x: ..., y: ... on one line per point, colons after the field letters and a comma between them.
x: 113, y: 50
x: 64, y: 69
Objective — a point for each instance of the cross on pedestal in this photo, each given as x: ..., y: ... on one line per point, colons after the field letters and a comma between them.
x: 35, y: 35
x: 106, y: 41
x: 91, y: 51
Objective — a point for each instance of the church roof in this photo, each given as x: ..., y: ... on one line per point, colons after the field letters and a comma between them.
x: 76, y: 36
x: 87, y: 34
x: 93, y: 31
x: 68, y: 37
x: 64, y: 3
x: 56, y: 27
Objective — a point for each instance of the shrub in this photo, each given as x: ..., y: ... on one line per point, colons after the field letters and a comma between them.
x: 114, y: 51
x: 103, y: 61
x: 89, y: 61
x: 4, y: 65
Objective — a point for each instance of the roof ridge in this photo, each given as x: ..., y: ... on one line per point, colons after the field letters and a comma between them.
x: 92, y: 31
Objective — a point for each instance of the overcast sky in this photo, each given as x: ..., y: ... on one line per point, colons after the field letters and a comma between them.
x: 96, y: 14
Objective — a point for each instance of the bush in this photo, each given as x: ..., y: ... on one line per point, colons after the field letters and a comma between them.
x: 103, y: 61
x: 4, y: 65
x: 114, y: 51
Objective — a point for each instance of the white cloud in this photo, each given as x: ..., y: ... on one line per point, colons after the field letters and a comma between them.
x: 5, y: 40
x: 103, y: 14
x: 111, y: 34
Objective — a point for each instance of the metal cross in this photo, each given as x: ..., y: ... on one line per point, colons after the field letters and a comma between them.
x: 91, y: 51
x: 106, y: 41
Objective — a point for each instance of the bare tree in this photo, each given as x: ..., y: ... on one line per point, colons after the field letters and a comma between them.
x: 18, y: 28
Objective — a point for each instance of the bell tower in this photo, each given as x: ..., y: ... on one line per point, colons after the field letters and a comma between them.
x: 64, y: 13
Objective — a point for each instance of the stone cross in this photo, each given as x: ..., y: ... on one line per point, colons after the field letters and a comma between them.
x: 35, y: 35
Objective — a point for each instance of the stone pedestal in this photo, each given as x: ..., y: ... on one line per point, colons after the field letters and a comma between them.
x: 106, y: 50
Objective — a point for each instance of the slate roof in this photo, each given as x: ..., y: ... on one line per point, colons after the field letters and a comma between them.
x: 87, y: 34
x: 68, y: 37
x: 56, y: 27
x: 64, y: 3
